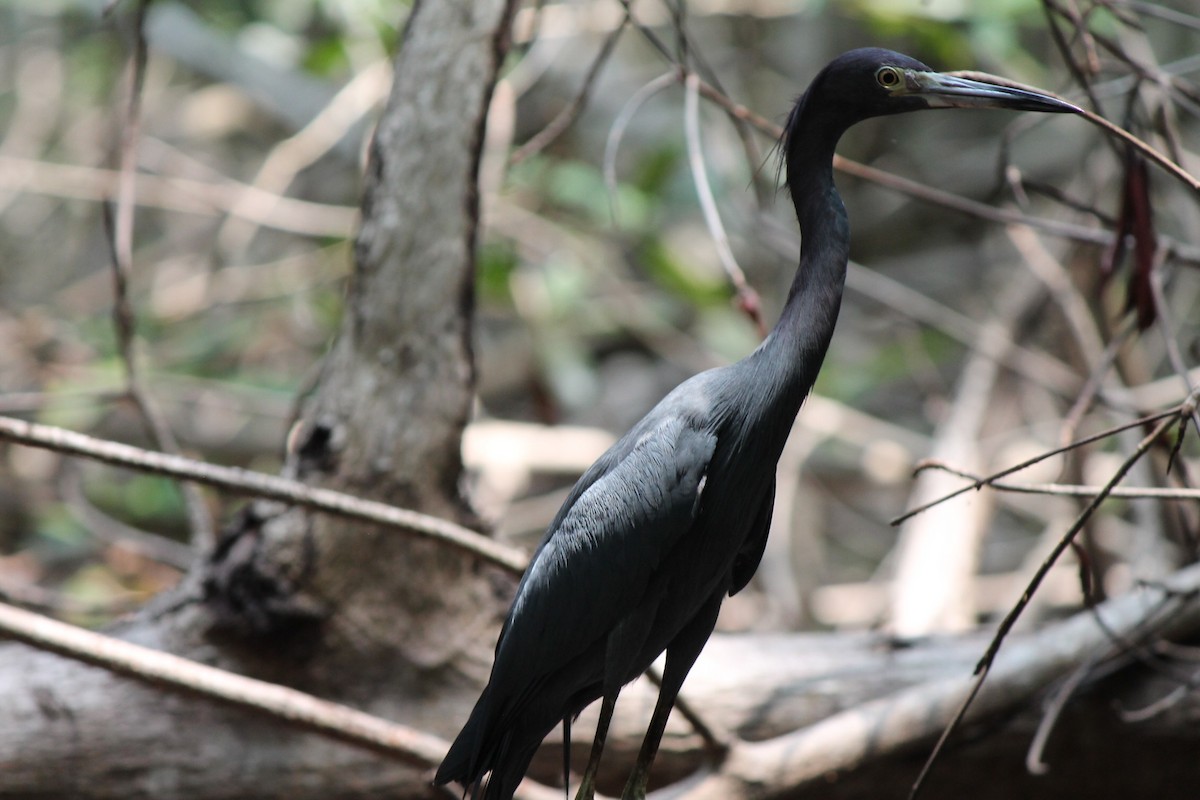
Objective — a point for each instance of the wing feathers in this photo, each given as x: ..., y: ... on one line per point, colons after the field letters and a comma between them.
x: 591, y: 570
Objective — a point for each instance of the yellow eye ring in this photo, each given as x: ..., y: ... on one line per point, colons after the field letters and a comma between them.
x: 888, y: 77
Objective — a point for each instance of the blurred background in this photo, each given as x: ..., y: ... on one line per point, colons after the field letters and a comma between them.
x: 962, y: 338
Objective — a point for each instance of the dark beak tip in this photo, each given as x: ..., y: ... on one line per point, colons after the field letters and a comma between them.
x: 1051, y: 105
x: 1036, y: 101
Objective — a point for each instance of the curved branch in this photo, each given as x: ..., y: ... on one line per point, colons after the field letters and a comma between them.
x: 244, y: 481
x: 343, y: 722
x: 777, y: 767
x: 1169, y: 166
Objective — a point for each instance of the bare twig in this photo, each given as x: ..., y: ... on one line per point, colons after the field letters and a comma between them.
x: 945, y: 542
x: 1166, y: 326
x: 1054, y: 275
x: 207, y: 198
x: 985, y: 663
x: 895, y: 723
x: 304, y: 710
x: 1098, y: 357
x: 1153, y: 709
x: 200, y: 521
x: 1169, y: 166
x: 979, y: 484
x: 646, y: 31
x: 616, y: 132
x: 747, y: 298
x: 1033, y: 757
x: 261, y: 485
x: 1092, y: 387
x: 130, y: 132
x: 965, y: 205
x: 304, y: 148
x: 563, y: 120
x: 1078, y: 73
x: 1069, y: 490
x: 1164, y: 13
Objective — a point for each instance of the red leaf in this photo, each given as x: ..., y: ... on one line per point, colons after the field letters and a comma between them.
x: 1136, y: 220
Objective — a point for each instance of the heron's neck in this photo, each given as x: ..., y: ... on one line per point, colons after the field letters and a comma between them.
x: 801, y: 337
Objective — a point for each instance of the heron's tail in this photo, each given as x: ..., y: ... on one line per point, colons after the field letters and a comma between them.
x: 480, y: 749
x: 465, y: 762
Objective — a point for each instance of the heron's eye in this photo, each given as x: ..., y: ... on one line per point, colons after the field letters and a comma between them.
x: 887, y: 77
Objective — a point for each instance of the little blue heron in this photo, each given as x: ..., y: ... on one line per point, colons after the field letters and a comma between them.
x: 675, y: 515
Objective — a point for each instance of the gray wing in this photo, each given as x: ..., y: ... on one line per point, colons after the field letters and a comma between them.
x: 601, y: 552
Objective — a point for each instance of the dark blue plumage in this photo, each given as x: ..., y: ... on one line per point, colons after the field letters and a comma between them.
x: 675, y: 515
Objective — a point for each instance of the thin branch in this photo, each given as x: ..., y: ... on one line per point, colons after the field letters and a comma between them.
x: 1095, y: 381
x: 124, y: 319
x: 975, y: 208
x: 130, y: 133
x: 1104, y: 434
x: 258, y: 484
x: 184, y: 195
x: 302, y: 149
x: 1156, y: 707
x: 616, y: 133
x: 565, y: 117
x: 899, y: 721
x: 1164, y: 13
x: 1168, y: 328
x: 690, y: 60
x: 304, y: 710
x: 1169, y: 166
x: 985, y: 663
x: 747, y: 298
x: 1050, y: 271
x: 646, y: 31
x: 1077, y: 72
x: 1080, y: 320
x: 1067, y: 489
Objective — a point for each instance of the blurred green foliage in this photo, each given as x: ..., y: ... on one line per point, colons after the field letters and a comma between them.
x: 581, y: 286
x: 959, y: 32
x: 143, y: 501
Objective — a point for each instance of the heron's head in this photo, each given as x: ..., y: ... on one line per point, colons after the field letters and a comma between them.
x: 872, y: 82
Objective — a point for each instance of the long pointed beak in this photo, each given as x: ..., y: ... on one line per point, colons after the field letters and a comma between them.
x: 949, y: 91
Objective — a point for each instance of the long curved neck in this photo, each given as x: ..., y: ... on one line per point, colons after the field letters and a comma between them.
x: 800, y: 338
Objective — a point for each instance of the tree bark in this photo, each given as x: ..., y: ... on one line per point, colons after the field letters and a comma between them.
x: 341, y: 610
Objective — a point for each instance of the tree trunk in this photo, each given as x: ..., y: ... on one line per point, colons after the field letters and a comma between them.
x: 338, y: 609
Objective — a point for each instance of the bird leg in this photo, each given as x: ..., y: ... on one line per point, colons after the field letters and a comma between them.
x: 635, y: 788
x: 567, y: 757
x: 681, y: 654
x: 587, y: 787
x: 620, y: 650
